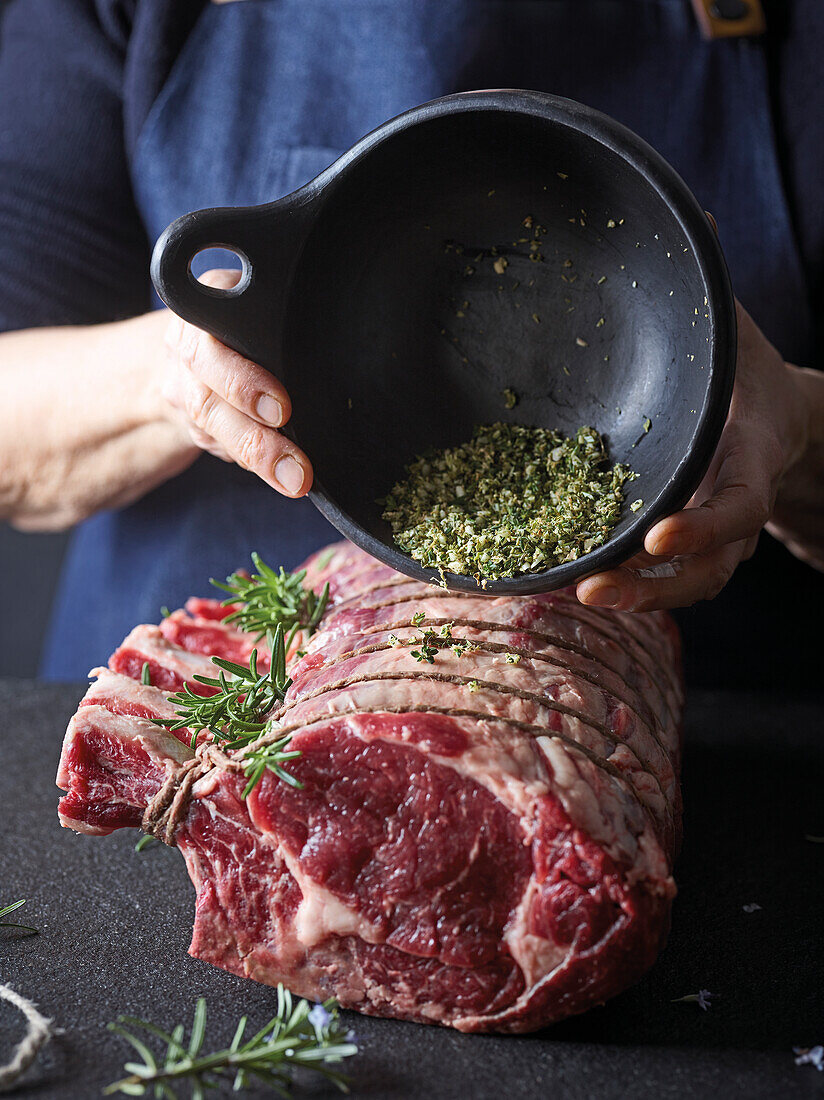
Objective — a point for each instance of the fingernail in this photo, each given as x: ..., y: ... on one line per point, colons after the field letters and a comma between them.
x: 289, y: 474
x: 608, y: 596
x: 668, y: 545
x: 269, y: 410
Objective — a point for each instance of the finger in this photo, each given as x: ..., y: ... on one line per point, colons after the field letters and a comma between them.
x: 679, y: 583
x: 750, y: 546
x: 221, y: 278
x: 253, y: 446
x: 207, y: 443
x: 243, y: 384
x: 741, y: 502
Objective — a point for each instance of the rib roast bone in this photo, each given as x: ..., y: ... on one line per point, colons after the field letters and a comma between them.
x: 479, y: 842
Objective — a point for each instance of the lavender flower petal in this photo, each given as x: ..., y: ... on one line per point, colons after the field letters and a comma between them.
x: 319, y: 1017
x: 812, y: 1057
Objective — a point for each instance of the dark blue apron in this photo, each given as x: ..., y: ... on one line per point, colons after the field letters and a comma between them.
x: 266, y: 93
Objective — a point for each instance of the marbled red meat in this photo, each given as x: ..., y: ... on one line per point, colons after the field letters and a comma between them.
x: 484, y: 841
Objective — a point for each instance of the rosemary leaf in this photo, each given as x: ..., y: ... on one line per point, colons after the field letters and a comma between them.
x: 237, y: 712
x: 269, y: 599
x: 4, y: 912
x: 297, y: 1035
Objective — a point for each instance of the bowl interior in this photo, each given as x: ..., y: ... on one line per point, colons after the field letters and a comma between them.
x: 485, y: 251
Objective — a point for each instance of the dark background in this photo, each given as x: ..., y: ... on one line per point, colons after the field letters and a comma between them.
x: 29, y: 567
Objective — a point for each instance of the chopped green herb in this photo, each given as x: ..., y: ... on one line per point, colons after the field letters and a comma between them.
x: 513, y: 658
x: 647, y: 424
x: 145, y: 675
x: 418, y: 618
x: 636, y: 505
x: 165, y: 612
x: 394, y: 641
x: 426, y: 653
x: 512, y: 500
x: 510, y: 398
x: 145, y: 842
x: 473, y: 686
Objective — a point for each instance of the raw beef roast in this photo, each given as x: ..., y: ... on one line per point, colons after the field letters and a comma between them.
x: 483, y: 841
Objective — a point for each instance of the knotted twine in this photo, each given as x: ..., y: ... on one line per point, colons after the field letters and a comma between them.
x: 38, y: 1033
x: 167, y: 808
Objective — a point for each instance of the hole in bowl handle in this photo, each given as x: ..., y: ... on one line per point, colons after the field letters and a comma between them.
x: 232, y: 315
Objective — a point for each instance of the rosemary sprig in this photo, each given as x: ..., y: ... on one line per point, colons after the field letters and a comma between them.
x: 270, y: 757
x: 702, y: 998
x: 271, y: 599
x: 13, y: 924
x: 298, y: 1035
x: 236, y: 713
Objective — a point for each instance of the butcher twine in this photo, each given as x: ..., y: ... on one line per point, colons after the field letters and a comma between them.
x: 167, y: 808
x: 38, y: 1033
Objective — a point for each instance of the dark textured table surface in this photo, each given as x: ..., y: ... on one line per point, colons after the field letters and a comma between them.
x: 114, y: 927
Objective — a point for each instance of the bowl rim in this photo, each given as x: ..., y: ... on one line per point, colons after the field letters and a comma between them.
x: 703, y: 243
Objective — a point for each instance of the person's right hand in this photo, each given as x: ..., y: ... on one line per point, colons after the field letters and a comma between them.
x: 230, y: 406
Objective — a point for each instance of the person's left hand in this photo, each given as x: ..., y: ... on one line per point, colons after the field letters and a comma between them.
x: 691, y: 555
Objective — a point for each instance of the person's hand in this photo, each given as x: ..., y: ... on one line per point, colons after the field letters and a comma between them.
x: 691, y: 555
x: 230, y: 406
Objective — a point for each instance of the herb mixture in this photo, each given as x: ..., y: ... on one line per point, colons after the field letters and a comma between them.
x: 512, y: 500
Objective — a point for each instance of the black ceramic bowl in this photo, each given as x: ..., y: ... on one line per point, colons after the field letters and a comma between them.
x: 372, y: 293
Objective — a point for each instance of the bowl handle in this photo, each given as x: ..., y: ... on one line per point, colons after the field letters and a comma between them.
x: 249, y: 316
